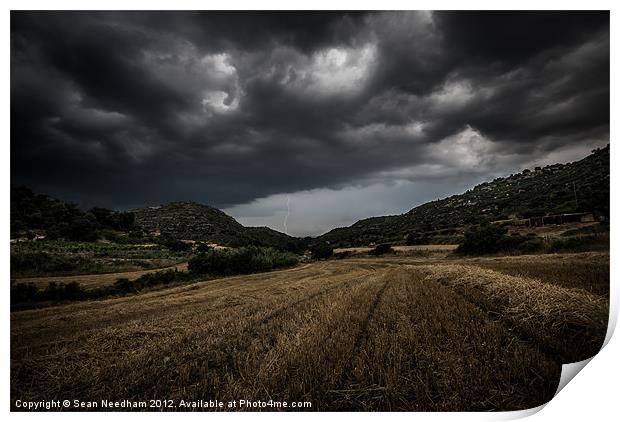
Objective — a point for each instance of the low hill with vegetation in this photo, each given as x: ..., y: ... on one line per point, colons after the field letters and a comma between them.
x: 194, y: 221
x: 189, y: 221
x: 35, y: 215
x: 38, y: 216
x: 580, y: 186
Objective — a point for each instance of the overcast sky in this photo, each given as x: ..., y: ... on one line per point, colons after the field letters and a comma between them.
x: 331, y: 116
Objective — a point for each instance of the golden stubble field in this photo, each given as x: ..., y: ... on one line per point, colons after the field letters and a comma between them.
x: 354, y: 334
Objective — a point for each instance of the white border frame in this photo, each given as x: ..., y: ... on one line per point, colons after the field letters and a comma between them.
x: 592, y: 395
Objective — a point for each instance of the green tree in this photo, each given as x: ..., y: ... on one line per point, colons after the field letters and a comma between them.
x: 485, y: 239
x: 321, y: 251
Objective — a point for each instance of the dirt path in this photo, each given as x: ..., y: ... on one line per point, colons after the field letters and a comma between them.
x: 96, y: 280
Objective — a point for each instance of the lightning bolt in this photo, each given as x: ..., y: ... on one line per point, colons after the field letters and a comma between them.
x: 288, y: 213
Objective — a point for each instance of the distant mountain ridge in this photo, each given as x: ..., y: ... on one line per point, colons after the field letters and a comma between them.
x: 580, y: 186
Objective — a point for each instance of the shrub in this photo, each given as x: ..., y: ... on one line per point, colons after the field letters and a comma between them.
x: 125, y: 285
x: 321, y: 251
x: 580, y: 243
x: 532, y: 245
x: 52, y: 292
x: 203, y: 247
x: 126, y: 221
x: 73, y: 291
x: 159, y: 277
x: 489, y: 239
x: 23, y: 292
x: 296, y: 246
x: 381, y: 249
x: 483, y: 240
x: 174, y: 245
x: 416, y: 238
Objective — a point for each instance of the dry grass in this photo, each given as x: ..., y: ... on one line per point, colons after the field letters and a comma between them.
x: 427, y: 349
x: 349, y: 334
x: 569, y: 323
x: 588, y: 271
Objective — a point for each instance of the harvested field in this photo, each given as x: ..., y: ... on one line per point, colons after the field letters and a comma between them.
x: 588, y: 271
x: 360, y: 334
x: 569, y: 323
x: 403, y: 248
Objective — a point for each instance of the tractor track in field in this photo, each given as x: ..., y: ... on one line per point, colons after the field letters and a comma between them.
x: 360, y: 340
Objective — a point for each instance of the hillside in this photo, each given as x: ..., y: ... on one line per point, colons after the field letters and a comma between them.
x: 189, y: 221
x: 541, y: 191
x: 37, y: 215
x: 40, y: 215
x: 193, y: 221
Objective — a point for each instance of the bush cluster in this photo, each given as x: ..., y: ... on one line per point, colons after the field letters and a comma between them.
x: 173, y: 244
x: 165, y: 277
x: 484, y: 239
x: 213, y: 261
x: 491, y: 239
x: 59, y: 292
x: 417, y: 238
x: 381, y: 249
x: 42, y: 263
x: 242, y: 260
x: 321, y: 251
x: 29, y: 292
x: 599, y: 241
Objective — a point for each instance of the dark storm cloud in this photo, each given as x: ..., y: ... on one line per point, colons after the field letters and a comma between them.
x: 134, y: 108
x: 509, y: 38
